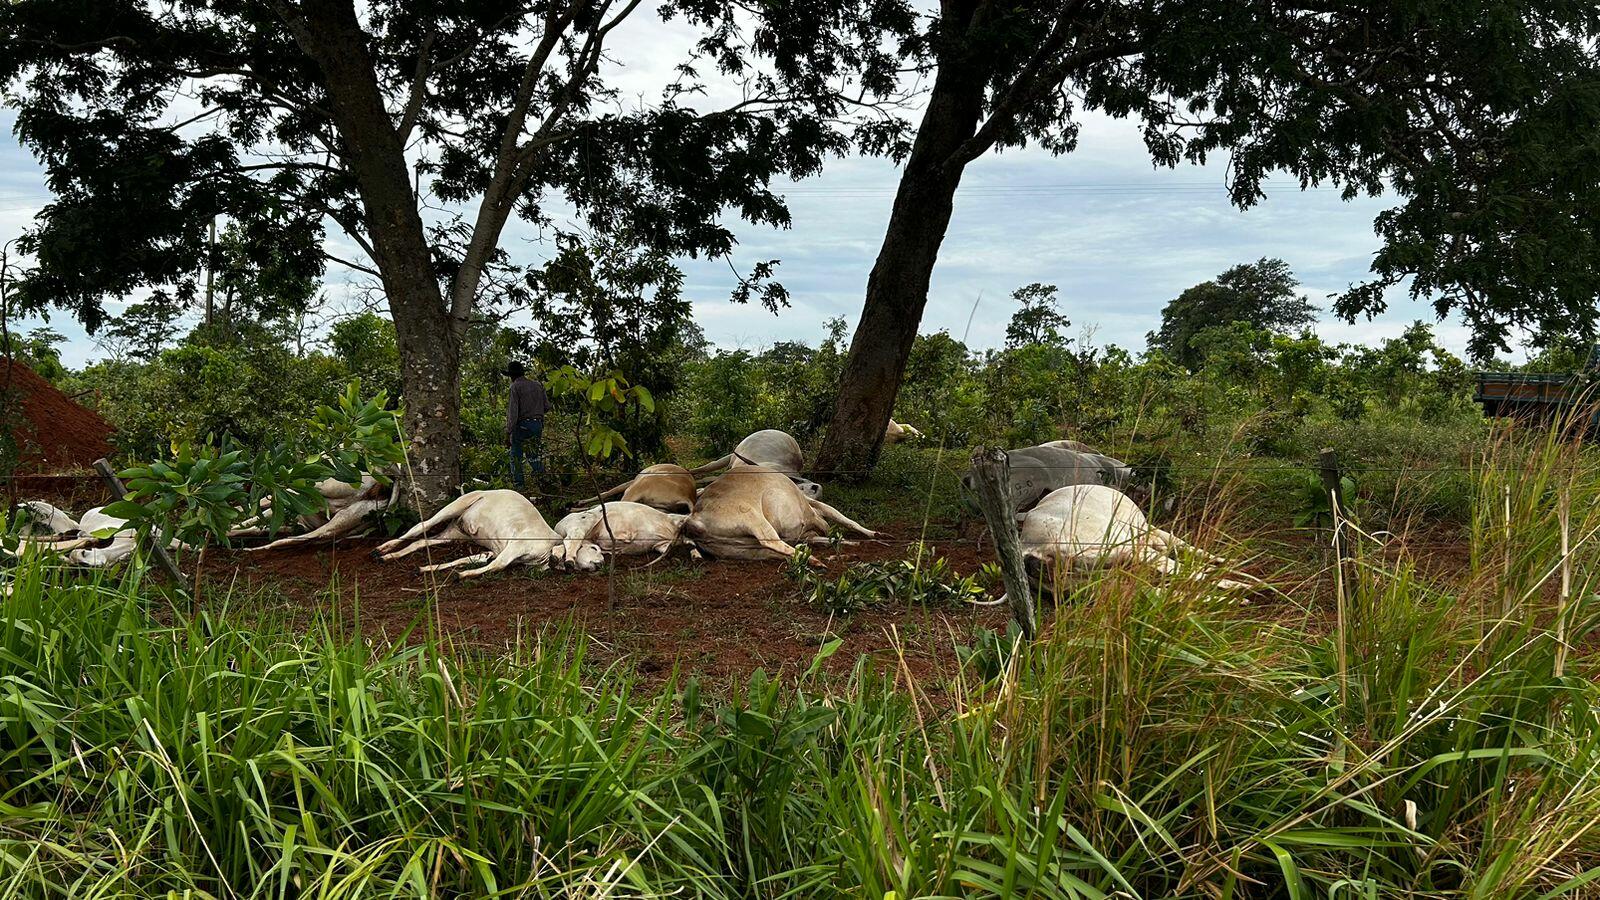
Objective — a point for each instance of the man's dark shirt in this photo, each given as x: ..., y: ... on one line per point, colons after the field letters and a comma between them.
x: 528, y: 401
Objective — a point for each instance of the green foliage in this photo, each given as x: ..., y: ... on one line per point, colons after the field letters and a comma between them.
x: 922, y: 579
x: 991, y: 652
x: 252, y: 392
x: 201, y: 491
x: 196, y: 495
x: 601, y: 401
x: 283, y: 485
x: 358, y: 437
x: 725, y: 391
x: 141, y: 331
x: 1316, y: 504
x: 365, y: 345
x: 789, y: 386
x: 601, y: 305
x: 38, y: 351
x: 1261, y: 295
x: 1038, y: 321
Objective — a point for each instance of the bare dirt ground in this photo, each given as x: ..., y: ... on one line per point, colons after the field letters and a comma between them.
x: 719, y: 619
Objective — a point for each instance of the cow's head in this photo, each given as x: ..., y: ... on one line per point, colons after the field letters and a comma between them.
x: 811, y: 489
x: 1023, y: 490
x: 582, y: 556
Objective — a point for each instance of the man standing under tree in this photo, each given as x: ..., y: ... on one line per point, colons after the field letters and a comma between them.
x: 525, y: 420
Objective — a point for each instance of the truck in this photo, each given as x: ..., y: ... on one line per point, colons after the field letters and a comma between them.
x: 1544, y: 398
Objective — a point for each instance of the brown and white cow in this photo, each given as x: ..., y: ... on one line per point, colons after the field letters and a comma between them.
x: 756, y: 512
x: 667, y: 487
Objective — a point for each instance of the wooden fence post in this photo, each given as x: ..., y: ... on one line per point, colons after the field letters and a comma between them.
x: 119, y: 491
x: 1332, y: 478
x: 992, y: 473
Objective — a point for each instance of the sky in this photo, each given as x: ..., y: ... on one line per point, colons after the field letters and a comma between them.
x: 1118, y: 236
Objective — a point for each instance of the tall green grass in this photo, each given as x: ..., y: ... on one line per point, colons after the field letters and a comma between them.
x: 1156, y: 743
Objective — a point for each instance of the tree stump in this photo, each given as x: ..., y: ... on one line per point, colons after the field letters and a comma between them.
x: 992, y: 474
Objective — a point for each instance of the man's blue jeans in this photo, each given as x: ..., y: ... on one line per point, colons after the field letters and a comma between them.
x: 525, y: 439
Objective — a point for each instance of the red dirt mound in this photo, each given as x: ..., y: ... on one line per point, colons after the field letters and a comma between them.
x: 53, y: 434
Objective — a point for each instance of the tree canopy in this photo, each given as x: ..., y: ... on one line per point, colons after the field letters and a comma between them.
x: 1481, y: 118
x: 1263, y: 294
x: 415, y: 130
x: 1039, y: 321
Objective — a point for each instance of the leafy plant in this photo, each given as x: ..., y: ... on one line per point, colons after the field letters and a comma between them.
x: 990, y: 652
x: 283, y: 486
x: 197, y: 494
x: 924, y: 579
x: 601, y: 401
x: 358, y: 437
x: 1315, y: 504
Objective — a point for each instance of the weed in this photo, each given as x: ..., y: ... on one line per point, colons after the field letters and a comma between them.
x: 922, y: 579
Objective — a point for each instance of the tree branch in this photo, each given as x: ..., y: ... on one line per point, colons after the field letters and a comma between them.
x: 419, y: 90
x: 365, y: 270
x: 1029, y: 84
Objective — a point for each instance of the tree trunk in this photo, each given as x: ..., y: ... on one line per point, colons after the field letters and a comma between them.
x: 897, y: 289
x: 429, y: 344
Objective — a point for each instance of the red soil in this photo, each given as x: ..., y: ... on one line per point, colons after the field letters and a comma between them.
x: 718, y: 619
x: 53, y: 434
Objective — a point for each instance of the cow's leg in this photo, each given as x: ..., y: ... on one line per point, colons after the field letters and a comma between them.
x: 342, y: 523
x: 504, y: 560
x: 1164, y: 564
x: 823, y: 540
x: 830, y: 514
x: 450, y: 512
x: 1166, y: 540
x: 767, y: 536
x: 606, y: 495
x: 59, y: 545
x: 472, y: 560
x: 448, y: 536
x: 716, y: 465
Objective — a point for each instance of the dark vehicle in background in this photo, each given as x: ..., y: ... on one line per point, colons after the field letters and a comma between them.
x: 1546, y: 398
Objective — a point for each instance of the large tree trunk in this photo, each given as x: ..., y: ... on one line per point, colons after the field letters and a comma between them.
x: 429, y: 339
x: 897, y: 289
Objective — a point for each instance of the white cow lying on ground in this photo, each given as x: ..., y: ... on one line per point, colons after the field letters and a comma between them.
x: 503, y: 521
x: 348, y: 509
x: 634, y: 529
x: 772, y: 449
x: 94, y: 540
x: 898, y: 431
x: 41, y: 519
x: 1087, y: 525
x: 754, y: 512
x: 1038, y: 470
